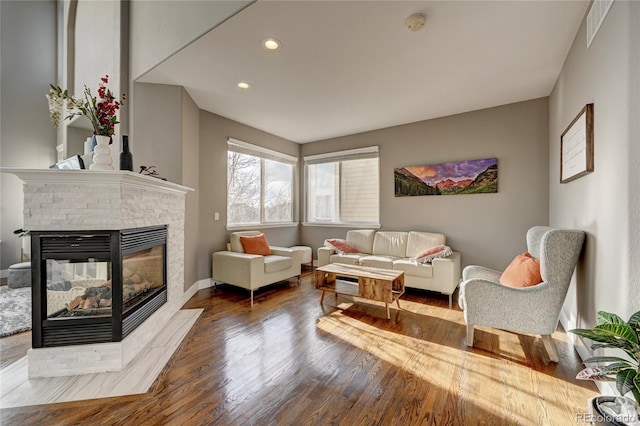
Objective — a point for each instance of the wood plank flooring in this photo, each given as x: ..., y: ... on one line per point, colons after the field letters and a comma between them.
x: 290, y: 360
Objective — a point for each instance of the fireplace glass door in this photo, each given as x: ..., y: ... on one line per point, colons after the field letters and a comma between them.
x: 96, y: 286
x: 142, y: 274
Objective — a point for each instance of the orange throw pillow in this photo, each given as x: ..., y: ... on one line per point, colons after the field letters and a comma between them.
x: 255, y: 244
x: 523, y: 271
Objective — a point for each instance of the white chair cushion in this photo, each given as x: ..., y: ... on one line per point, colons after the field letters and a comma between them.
x: 276, y: 263
x: 390, y: 244
x: 424, y: 270
x: 419, y: 241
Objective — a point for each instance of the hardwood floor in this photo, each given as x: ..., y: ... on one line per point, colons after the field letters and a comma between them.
x: 290, y: 360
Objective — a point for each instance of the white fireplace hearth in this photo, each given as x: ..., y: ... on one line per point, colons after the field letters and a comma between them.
x: 68, y: 200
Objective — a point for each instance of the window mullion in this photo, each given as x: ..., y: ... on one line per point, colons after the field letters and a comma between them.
x: 262, y: 192
x: 339, y: 197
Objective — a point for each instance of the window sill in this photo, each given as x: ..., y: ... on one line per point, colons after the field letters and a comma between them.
x: 344, y: 225
x: 259, y: 226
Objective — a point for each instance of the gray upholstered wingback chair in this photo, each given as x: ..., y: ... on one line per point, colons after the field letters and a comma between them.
x: 535, y: 309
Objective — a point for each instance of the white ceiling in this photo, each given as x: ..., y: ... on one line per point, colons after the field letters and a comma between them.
x: 352, y: 66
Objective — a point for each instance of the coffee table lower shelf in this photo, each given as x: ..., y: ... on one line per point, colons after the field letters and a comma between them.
x: 381, y: 285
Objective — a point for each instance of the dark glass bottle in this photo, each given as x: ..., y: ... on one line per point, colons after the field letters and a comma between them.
x: 126, y: 159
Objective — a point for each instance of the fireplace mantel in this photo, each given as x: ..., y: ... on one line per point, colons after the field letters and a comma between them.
x: 93, y: 176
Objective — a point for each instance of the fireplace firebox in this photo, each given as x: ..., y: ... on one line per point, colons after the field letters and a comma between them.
x: 96, y: 286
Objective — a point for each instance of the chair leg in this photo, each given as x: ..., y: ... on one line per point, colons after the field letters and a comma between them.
x: 252, y: 298
x: 550, y: 348
x: 470, y: 335
x: 450, y: 300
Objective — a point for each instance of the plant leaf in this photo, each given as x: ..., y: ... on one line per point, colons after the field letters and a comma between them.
x: 616, y: 368
x: 589, y: 334
x: 602, y: 345
x: 607, y: 318
x: 625, y: 381
x: 617, y: 331
x: 634, y: 321
x: 597, y: 359
x: 593, y: 373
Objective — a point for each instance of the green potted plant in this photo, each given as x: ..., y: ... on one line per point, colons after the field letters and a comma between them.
x: 611, y: 331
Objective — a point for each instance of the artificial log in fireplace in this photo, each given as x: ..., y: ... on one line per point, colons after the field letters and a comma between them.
x: 96, y: 286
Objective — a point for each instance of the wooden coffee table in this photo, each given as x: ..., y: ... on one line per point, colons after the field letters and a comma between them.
x: 382, y: 285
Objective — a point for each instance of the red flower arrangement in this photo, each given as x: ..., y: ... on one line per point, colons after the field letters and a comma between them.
x: 100, y: 110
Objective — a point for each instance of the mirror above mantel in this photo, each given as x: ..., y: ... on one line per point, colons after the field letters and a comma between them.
x: 83, y: 65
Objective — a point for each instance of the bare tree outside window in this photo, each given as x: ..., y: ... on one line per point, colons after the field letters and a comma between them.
x: 277, y: 191
x: 243, y: 188
x: 259, y: 190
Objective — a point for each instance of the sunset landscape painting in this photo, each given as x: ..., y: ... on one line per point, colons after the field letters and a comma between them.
x: 460, y: 177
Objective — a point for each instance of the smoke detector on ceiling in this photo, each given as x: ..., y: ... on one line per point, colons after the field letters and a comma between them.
x: 416, y: 21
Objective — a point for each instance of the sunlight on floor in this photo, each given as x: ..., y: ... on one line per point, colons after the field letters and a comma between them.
x: 453, y: 369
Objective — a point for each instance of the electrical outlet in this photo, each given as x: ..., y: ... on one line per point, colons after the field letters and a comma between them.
x: 216, y: 216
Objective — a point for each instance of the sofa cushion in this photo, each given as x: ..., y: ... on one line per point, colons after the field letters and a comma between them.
x: 275, y: 263
x: 363, y: 239
x: 234, y: 240
x: 390, y: 244
x: 255, y: 244
x: 348, y: 259
x: 384, y: 262
x: 409, y: 267
x: 419, y: 241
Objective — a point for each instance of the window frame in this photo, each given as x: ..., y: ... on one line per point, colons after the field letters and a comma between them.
x: 263, y: 154
x: 338, y: 157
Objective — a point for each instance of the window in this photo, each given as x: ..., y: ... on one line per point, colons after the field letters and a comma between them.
x: 260, y: 185
x: 343, y: 187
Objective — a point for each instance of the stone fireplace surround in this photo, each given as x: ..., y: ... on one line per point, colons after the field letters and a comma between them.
x: 105, y: 200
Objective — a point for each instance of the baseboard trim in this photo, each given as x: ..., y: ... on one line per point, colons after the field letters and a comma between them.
x: 569, y: 322
x: 189, y: 293
x: 584, y: 351
x: 206, y: 283
x: 198, y: 285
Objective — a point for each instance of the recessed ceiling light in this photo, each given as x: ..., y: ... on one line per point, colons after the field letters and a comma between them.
x: 271, y: 43
x: 243, y: 85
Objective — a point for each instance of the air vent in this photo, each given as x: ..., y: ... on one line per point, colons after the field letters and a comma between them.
x: 595, y: 18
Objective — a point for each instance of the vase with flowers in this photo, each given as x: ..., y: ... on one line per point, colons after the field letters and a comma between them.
x: 100, y: 110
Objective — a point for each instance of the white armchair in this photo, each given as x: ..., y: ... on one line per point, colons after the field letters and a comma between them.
x: 252, y: 271
x: 535, y: 309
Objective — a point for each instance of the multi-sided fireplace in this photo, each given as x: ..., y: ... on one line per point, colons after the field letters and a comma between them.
x: 96, y: 286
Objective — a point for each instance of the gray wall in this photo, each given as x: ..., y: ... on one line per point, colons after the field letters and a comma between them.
x: 156, y: 130
x: 166, y: 134
x: 27, y: 139
x: 488, y: 229
x: 605, y: 202
x: 191, y: 178
x: 214, y: 132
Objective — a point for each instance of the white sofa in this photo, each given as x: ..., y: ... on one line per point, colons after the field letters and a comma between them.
x: 252, y: 271
x: 396, y: 250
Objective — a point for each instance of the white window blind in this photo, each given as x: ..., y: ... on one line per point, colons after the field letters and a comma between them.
x: 343, y: 187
